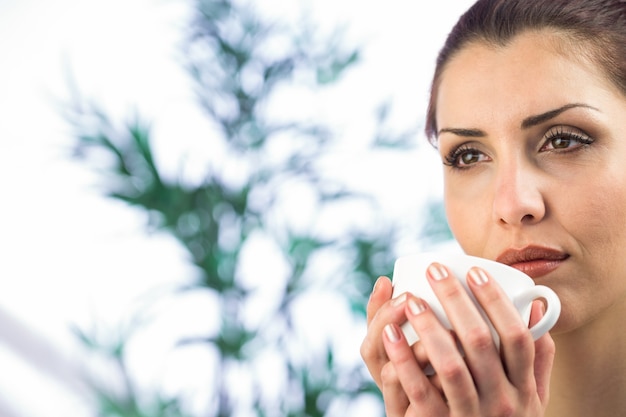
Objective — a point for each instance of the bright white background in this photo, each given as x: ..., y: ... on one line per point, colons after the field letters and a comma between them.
x: 70, y: 256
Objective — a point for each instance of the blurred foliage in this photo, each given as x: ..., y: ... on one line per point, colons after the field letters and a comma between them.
x: 436, y: 229
x: 236, y: 76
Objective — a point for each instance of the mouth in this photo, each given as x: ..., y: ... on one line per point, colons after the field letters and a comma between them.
x: 534, y: 261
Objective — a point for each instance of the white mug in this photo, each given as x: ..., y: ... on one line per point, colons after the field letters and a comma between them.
x: 409, y: 275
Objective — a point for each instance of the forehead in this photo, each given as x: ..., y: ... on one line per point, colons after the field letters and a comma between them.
x: 534, y: 72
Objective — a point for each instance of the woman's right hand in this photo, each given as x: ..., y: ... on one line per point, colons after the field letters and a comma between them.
x: 381, y: 311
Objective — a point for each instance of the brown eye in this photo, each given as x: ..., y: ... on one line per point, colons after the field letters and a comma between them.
x: 469, y: 157
x: 465, y: 157
x: 565, y: 138
x: 561, y: 143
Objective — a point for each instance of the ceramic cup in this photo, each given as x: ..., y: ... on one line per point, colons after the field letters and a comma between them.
x: 409, y: 275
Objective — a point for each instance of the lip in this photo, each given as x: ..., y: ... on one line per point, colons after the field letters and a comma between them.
x: 534, y: 261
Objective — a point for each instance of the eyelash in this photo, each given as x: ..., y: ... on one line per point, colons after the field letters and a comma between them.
x: 559, y: 132
x: 570, y: 134
x: 452, y: 158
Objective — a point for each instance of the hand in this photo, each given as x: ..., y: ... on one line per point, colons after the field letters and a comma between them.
x: 381, y: 311
x: 513, y: 381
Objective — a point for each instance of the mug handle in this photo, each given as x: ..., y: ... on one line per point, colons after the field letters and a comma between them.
x: 553, y: 309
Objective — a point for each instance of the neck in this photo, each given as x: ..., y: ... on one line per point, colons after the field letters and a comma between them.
x: 589, y: 374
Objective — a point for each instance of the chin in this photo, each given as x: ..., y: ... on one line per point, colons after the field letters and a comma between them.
x: 567, y: 324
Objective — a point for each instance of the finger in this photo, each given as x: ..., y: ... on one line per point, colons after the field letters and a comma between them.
x: 446, y: 359
x: 472, y: 330
x: 395, y: 399
x: 423, y: 396
x: 381, y: 293
x: 420, y: 355
x: 372, y: 349
x: 544, y: 356
x: 516, y: 343
x: 436, y: 382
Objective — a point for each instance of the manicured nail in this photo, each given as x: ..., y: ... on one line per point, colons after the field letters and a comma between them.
x: 399, y: 300
x: 392, y: 333
x: 478, y: 276
x: 437, y: 271
x: 416, y: 306
x: 376, y: 285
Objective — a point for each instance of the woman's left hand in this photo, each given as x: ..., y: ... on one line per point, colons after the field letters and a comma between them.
x: 486, y: 381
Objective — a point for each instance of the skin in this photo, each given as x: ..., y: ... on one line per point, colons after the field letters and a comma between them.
x: 514, y: 180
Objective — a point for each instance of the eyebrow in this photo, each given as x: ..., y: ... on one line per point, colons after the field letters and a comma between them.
x: 544, y: 117
x: 526, y: 123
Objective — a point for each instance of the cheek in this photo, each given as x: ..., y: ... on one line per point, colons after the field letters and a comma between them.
x: 469, y: 210
x: 468, y: 222
x: 599, y: 216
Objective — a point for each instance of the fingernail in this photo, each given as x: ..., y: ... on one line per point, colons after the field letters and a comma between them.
x: 399, y: 300
x: 392, y: 333
x: 376, y: 284
x: 437, y: 271
x: 416, y: 306
x: 478, y: 276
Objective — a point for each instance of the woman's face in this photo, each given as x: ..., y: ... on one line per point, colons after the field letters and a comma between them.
x: 534, y: 147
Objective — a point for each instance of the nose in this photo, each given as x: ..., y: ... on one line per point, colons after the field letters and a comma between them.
x: 518, y: 199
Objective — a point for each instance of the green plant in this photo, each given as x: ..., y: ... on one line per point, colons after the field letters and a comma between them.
x: 224, y: 220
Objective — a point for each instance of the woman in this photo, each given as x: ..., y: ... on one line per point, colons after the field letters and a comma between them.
x: 528, y: 113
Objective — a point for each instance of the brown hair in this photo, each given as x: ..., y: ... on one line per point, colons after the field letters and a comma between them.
x: 595, y: 29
